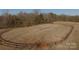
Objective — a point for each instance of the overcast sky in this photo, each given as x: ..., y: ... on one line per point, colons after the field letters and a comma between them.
x: 57, y: 11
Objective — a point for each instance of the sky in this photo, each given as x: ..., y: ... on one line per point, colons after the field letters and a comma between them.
x: 56, y: 11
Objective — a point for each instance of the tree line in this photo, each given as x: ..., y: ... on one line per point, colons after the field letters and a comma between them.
x: 29, y: 19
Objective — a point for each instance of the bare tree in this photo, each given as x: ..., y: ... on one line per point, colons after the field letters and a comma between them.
x: 36, y: 11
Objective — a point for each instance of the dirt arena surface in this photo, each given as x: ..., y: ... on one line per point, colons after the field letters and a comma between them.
x: 56, y: 36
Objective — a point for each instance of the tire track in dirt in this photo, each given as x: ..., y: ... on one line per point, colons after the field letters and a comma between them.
x: 72, y: 27
x: 24, y: 45
x: 13, y: 44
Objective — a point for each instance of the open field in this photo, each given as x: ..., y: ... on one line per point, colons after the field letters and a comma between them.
x: 58, y: 35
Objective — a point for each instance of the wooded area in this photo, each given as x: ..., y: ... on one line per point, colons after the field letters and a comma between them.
x: 28, y: 19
